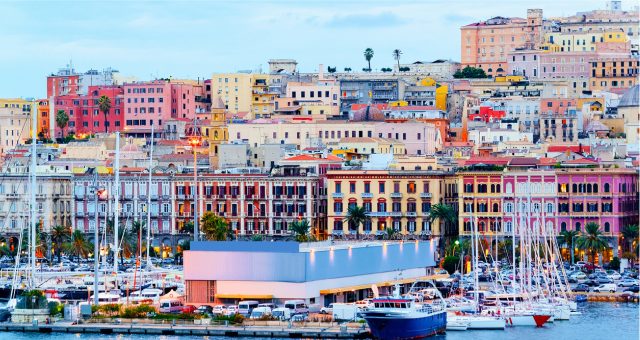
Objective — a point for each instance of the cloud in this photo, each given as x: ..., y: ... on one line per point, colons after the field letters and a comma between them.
x: 457, y: 18
x: 383, y: 19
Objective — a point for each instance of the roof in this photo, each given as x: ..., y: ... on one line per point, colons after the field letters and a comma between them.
x: 176, y: 157
x: 572, y: 148
x: 547, y: 161
x: 582, y: 161
x: 630, y: 98
x: 524, y: 161
x: 174, y: 142
x: 487, y: 161
x: 457, y: 144
x: 310, y: 158
x: 410, y: 108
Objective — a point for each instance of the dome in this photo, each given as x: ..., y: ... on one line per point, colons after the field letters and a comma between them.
x: 630, y: 98
x: 368, y: 113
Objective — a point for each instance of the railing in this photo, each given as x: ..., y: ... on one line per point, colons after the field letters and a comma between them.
x: 396, y: 195
x: 367, y: 195
x: 425, y: 195
x: 412, y: 214
x: 337, y: 195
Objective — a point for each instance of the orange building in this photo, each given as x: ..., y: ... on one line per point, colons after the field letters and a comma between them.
x: 44, y: 121
x: 486, y: 44
x: 617, y: 73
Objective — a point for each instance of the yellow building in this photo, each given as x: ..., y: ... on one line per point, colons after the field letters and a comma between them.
x: 15, y: 123
x: 580, y: 41
x: 368, y: 145
x: 395, y: 199
x: 263, y: 101
x: 235, y: 90
x: 216, y: 133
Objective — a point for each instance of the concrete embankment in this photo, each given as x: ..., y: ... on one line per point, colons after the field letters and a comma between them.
x: 217, y: 331
x: 609, y: 297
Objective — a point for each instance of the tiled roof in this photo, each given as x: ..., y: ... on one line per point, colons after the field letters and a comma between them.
x: 572, y: 148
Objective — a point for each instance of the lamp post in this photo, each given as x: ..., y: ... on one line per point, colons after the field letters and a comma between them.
x: 573, y: 250
x: 195, y: 141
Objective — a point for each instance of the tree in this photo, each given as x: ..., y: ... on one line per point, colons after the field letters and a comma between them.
x: 331, y: 69
x: 390, y: 233
x: 470, y: 72
x: 104, y: 104
x: 386, y: 69
x: 396, y: 55
x: 368, y: 55
x: 567, y: 238
x: 347, y: 69
x: 187, y: 227
x: 446, y: 214
x: 404, y: 69
x: 592, y: 241
x: 301, y: 230
x: 78, y: 246
x: 356, y: 216
x: 59, y: 236
x: 62, y: 118
x: 450, y: 264
x: 629, y: 236
x: 214, y: 227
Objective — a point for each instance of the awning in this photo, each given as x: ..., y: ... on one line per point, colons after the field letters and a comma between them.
x: 244, y: 296
x: 381, y: 284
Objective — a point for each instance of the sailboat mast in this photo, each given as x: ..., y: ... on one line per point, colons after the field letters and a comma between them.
x: 149, y: 200
x: 116, y: 209
x: 32, y: 193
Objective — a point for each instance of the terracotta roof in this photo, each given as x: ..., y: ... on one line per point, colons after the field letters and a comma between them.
x: 524, y: 161
x: 585, y: 161
x: 547, y: 161
x: 132, y: 169
x: 572, y: 148
x: 176, y: 157
x: 355, y: 107
x: 487, y: 161
x: 172, y: 142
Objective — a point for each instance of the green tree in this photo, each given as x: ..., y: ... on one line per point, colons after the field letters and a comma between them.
x: 470, y: 72
x: 301, y: 230
x: 59, y: 236
x: 104, y: 104
x: 368, y: 55
x: 78, y: 245
x: 187, y: 227
x: 450, y: 264
x: 447, y: 215
x: 390, y: 233
x: 62, y: 118
x: 568, y: 239
x: 396, y: 55
x: 592, y: 241
x: 214, y: 227
x: 347, y: 69
x: 629, y: 236
x: 356, y: 216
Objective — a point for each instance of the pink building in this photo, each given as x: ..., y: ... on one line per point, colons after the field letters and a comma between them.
x: 418, y: 138
x: 154, y: 102
x: 557, y: 105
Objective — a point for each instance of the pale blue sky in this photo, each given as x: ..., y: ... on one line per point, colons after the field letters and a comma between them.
x: 193, y: 39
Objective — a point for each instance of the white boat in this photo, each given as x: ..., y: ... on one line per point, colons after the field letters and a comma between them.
x: 147, y: 294
x: 106, y: 298
x: 454, y: 325
x: 477, y: 321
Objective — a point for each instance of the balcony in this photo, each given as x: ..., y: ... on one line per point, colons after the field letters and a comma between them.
x: 127, y: 197
x: 13, y: 195
x: 412, y: 214
x: 425, y: 195
x: 378, y: 214
x: 41, y: 196
x: 396, y: 195
x: 367, y: 195
x: 337, y: 195
x: 395, y: 214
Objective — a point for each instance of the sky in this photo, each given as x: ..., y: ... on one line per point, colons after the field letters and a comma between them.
x: 191, y: 39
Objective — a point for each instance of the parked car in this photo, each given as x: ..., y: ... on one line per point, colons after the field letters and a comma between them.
x: 327, y: 310
x: 591, y: 283
x: 633, y: 289
x: 171, y: 306
x: 607, y: 287
x: 245, y: 307
x: 627, y: 282
x: 188, y: 309
x: 218, y: 309
x: 613, y: 275
x: 204, y: 309
x: 281, y: 313
x: 581, y: 288
x: 603, y: 280
x: 297, y: 306
x: 231, y: 310
x: 259, y: 312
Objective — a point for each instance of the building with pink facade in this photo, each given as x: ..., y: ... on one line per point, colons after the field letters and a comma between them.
x: 151, y: 103
x: 84, y: 113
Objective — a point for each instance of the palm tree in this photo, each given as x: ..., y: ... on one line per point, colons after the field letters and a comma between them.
x: 301, y: 230
x: 396, y: 55
x: 568, y: 238
x: 446, y: 214
x: 79, y: 246
x: 104, y: 104
x: 62, y: 118
x: 629, y: 236
x: 592, y: 240
x: 59, y: 236
x: 356, y: 216
x: 390, y: 233
x: 138, y: 228
x: 368, y: 55
x: 214, y: 227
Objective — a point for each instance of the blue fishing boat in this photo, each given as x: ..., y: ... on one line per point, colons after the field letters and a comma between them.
x: 402, y: 318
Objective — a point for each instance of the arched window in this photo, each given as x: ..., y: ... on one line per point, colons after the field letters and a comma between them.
x: 498, y: 188
x: 607, y: 227
x: 508, y: 207
x: 595, y: 188
x: 549, y: 207
x: 508, y: 226
x: 481, y: 226
x: 563, y: 226
x: 495, y: 207
x: 607, y: 187
x: 509, y: 188
x: 536, y: 207
x: 574, y: 187
x: 493, y: 188
x: 589, y: 187
x: 577, y: 226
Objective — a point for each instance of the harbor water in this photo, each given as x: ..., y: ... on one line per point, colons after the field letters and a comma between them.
x: 615, y: 321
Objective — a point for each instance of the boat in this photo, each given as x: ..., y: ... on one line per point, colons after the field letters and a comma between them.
x: 402, y: 318
x: 455, y: 325
x: 475, y: 321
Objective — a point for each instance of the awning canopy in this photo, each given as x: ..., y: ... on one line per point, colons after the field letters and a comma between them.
x: 381, y: 284
x: 244, y: 296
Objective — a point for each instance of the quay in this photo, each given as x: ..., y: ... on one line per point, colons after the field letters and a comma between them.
x: 609, y: 297
x: 216, y: 331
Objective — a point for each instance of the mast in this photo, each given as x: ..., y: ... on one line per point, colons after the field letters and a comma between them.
x: 149, y: 201
x: 32, y: 194
x: 116, y: 215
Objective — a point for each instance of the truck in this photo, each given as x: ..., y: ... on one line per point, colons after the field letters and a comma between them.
x: 344, y: 311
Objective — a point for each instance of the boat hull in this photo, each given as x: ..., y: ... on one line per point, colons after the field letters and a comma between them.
x: 383, y: 326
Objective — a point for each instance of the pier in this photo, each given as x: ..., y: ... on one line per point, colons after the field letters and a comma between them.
x: 336, y: 332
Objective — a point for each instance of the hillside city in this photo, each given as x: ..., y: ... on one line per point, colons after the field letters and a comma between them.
x: 538, y: 122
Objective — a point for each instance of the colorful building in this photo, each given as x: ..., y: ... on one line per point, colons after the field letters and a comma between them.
x: 84, y: 112
x: 614, y: 74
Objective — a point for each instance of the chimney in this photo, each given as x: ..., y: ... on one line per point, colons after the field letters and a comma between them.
x: 321, y: 72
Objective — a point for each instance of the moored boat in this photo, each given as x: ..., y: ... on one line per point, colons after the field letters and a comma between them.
x: 402, y: 318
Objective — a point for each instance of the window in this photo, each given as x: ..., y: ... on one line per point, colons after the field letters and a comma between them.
x: 381, y: 188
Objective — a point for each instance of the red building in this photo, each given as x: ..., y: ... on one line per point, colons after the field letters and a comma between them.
x: 487, y: 114
x: 85, y: 115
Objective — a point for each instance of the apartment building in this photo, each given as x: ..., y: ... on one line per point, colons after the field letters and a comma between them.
x: 15, y: 124
x: 614, y: 74
x: 84, y: 112
x: 396, y: 199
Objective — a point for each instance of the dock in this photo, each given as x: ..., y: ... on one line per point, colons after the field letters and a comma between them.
x: 215, y: 331
x: 609, y: 297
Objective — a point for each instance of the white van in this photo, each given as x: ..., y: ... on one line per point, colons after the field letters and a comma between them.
x: 297, y: 306
x: 245, y: 307
x: 607, y: 287
x: 259, y: 312
x: 269, y: 304
x: 281, y: 313
x: 171, y: 306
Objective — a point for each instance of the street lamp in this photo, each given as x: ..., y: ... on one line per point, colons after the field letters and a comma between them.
x: 195, y: 141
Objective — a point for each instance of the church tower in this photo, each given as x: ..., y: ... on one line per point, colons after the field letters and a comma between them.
x: 217, y: 131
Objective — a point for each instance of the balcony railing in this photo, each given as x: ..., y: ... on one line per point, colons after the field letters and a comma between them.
x: 337, y: 195
x: 412, y: 214
x: 367, y: 195
x: 425, y: 195
x: 396, y: 195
